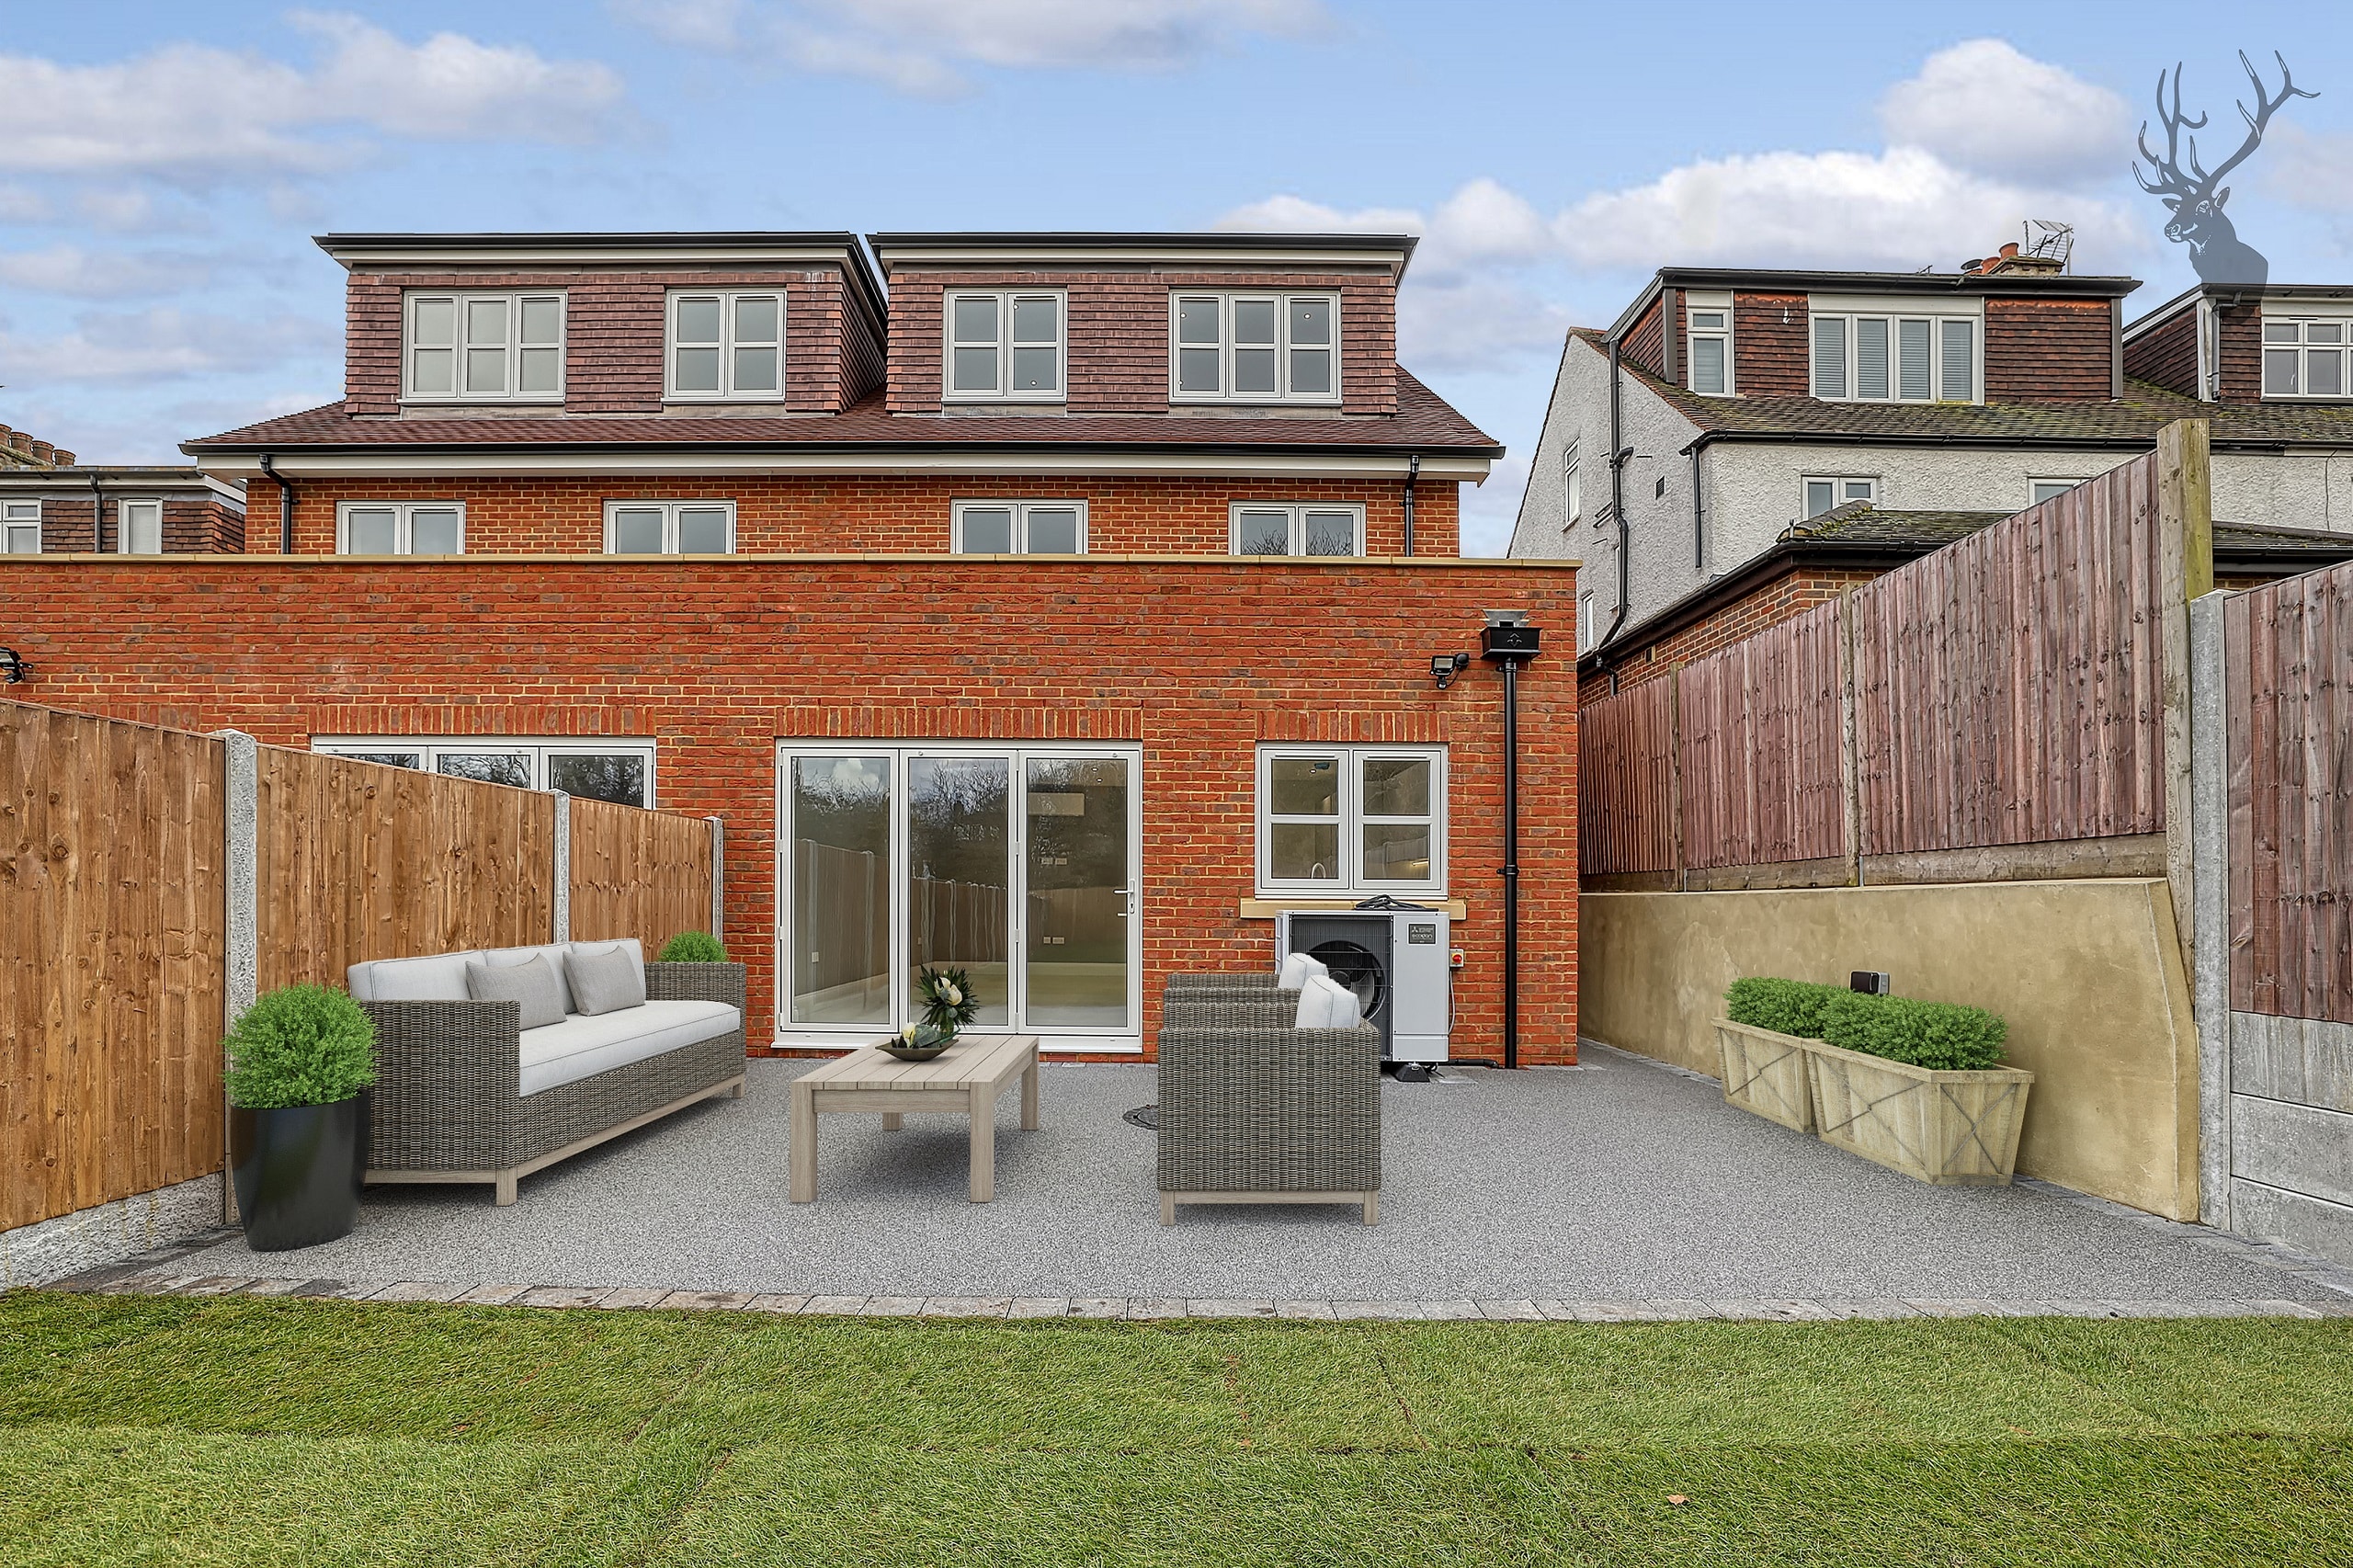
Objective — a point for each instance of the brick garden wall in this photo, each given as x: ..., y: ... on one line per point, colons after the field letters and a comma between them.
x: 779, y: 513
x: 1195, y: 659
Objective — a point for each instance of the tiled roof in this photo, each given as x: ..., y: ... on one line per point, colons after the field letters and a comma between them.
x: 1867, y: 527
x: 1424, y: 421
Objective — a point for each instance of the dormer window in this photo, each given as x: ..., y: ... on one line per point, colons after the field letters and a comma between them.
x: 2305, y: 356
x: 1004, y: 346
x: 1868, y: 357
x: 1255, y: 348
x: 1708, y: 337
x: 484, y: 348
x: 727, y: 346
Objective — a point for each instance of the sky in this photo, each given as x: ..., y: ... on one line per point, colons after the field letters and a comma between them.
x: 164, y: 167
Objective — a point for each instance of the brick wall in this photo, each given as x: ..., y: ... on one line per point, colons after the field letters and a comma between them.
x: 1769, y: 344
x: 1118, y: 331
x: 1782, y: 598
x: 2167, y: 355
x: 856, y: 513
x: 614, y: 334
x: 2049, y: 351
x: 1644, y: 345
x: 1197, y: 660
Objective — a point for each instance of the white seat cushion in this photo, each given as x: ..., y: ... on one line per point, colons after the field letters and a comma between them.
x: 438, y: 978
x: 582, y: 1047
x: 1296, y: 970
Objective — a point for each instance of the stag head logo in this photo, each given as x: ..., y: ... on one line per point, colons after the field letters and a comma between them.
x: 2194, y: 194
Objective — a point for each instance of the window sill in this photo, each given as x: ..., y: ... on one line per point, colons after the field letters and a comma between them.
x: 1266, y: 908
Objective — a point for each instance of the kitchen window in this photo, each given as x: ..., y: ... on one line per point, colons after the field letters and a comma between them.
x: 400, y: 528
x: 2306, y: 358
x: 1019, y: 527
x: 1004, y: 346
x: 727, y: 346
x: 1825, y: 494
x: 1892, y: 358
x: 669, y: 527
x: 19, y: 528
x: 139, y: 527
x: 593, y: 769
x: 1310, y: 528
x: 484, y: 348
x: 1254, y: 347
x: 1707, y: 338
x: 1343, y: 820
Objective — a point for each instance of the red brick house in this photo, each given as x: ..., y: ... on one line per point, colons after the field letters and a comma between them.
x: 1060, y: 604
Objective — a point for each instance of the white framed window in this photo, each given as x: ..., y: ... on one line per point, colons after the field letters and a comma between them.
x: 400, y: 528
x: 1310, y: 527
x: 1254, y: 347
x: 19, y: 528
x: 1587, y: 627
x: 1707, y: 335
x: 727, y: 345
x: 669, y: 527
x: 592, y: 767
x: 139, y: 527
x: 1019, y: 528
x: 1005, y: 346
x: 2041, y: 490
x: 504, y: 347
x: 2305, y: 356
x: 1342, y: 820
x: 1895, y: 358
x: 1574, y: 483
x: 1825, y: 493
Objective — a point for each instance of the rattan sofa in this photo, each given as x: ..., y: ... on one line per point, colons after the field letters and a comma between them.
x: 1253, y: 1110
x: 464, y: 1094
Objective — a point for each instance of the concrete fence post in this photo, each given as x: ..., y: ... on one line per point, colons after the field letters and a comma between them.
x: 240, y: 924
x: 1850, y: 762
x: 718, y: 878
x: 560, y: 868
x: 2209, y: 836
x: 2185, y: 571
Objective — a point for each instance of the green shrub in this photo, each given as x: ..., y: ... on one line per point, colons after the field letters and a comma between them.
x: 1926, y: 1034
x: 1785, y: 1006
x: 693, y: 947
x: 300, y: 1045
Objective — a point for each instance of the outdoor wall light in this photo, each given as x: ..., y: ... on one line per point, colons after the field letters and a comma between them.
x: 13, y: 667
x: 1444, y: 667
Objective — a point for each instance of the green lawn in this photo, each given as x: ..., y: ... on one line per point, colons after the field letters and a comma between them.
x: 275, y: 1432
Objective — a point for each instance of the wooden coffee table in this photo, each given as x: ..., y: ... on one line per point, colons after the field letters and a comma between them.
x: 968, y: 1079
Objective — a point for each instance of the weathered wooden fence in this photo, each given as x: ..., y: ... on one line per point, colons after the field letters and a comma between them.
x: 1761, y: 758
x: 116, y: 842
x: 1626, y: 750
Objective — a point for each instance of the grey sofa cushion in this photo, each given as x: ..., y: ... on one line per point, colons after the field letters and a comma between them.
x: 554, y: 953
x: 533, y: 982
x: 605, y: 982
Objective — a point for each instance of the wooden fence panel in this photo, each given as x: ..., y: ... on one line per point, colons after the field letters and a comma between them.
x: 1625, y: 769
x: 2009, y: 686
x: 360, y: 860
x: 637, y: 874
x: 2289, y: 649
x: 1762, y: 747
x: 111, y: 890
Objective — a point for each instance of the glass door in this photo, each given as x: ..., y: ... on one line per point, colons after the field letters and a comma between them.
x: 838, y: 899
x: 1077, y: 887
x: 958, y: 854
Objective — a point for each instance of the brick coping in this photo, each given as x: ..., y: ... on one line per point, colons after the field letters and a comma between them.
x: 1026, y: 562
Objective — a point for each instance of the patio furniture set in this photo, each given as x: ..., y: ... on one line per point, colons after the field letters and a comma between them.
x: 546, y: 1051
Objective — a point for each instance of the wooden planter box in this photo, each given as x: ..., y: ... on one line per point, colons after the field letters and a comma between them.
x: 1766, y: 1073
x: 1951, y: 1128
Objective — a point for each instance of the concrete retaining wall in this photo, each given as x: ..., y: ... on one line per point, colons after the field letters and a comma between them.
x: 2088, y: 972
x: 92, y: 1238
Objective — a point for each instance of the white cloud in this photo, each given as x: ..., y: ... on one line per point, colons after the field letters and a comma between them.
x: 99, y: 275
x: 2312, y: 169
x: 19, y: 204
x: 158, y: 344
x: 1983, y: 106
x: 191, y: 111
x: 1489, y: 511
x: 917, y: 46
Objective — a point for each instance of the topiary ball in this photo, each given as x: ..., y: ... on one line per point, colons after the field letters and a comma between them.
x: 693, y: 947
x: 300, y: 1045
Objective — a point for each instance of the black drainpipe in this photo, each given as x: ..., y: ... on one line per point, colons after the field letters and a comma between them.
x: 285, y: 504
x: 1617, y: 502
x: 1699, y: 519
x: 1511, y: 643
x: 1413, y: 472
x: 97, y: 517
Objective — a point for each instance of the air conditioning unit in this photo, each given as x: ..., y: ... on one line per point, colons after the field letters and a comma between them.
x: 1397, y: 961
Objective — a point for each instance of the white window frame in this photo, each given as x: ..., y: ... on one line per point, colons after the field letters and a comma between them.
x: 122, y: 524
x: 1838, y: 484
x: 1352, y: 821
x: 727, y: 344
x: 1694, y: 303
x: 1281, y: 300
x: 459, y: 301
x: 1894, y: 315
x: 1005, y: 346
x: 1587, y: 626
x: 2303, y: 319
x: 401, y: 513
x: 1573, y: 483
x: 15, y: 518
x: 670, y: 510
x: 2034, y: 483
x: 428, y: 750
x: 1021, y: 510
x: 1298, y: 511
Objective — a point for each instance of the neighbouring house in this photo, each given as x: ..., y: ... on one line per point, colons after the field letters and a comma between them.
x: 22, y: 449
x: 119, y: 509
x: 1062, y: 605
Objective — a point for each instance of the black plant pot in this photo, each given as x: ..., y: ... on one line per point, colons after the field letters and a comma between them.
x: 298, y: 1170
